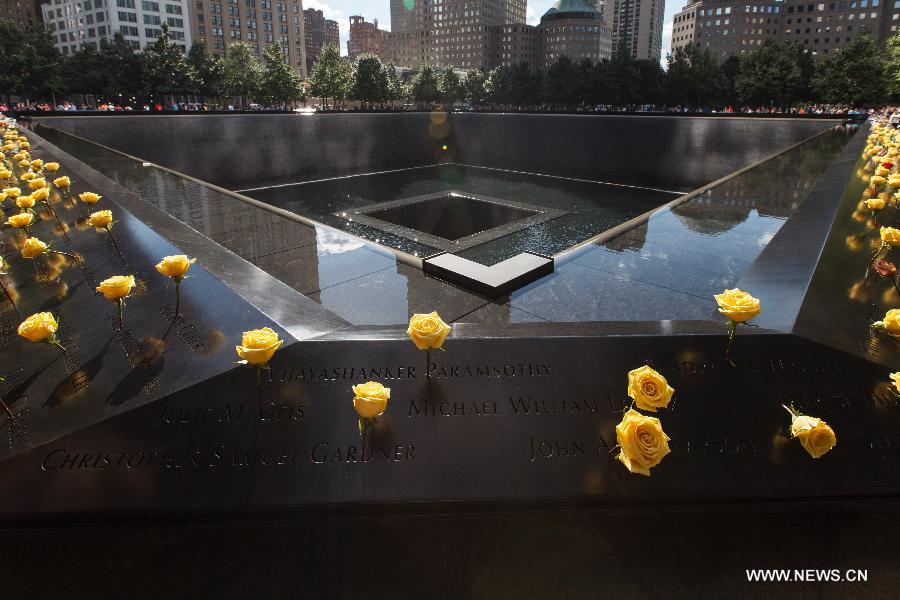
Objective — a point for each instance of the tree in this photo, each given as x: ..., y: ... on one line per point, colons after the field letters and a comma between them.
x: 775, y: 74
x: 450, y: 87
x: 852, y: 74
x: 279, y: 84
x: 475, y: 87
x: 123, y: 68
x: 209, y: 71
x: 243, y: 72
x: 166, y: 72
x: 370, y: 80
x: 618, y: 78
x: 561, y: 83
x: 395, y: 88
x: 30, y: 64
x: 331, y: 76
x: 693, y: 78
x: 424, y: 87
x: 84, y: 72
x: 892, y: 67
x: 523, y: 85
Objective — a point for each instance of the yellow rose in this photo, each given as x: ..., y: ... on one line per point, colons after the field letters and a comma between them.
x: 258, y: 346
x: 27, y: 176
x: 101, y: 219
x: 36, y: 164
x: 428, y: 331
x: 876, y: 204
x: 370, y: 399
x: 38, y: 327
x: 649, y: 389
x: 5, y: 174
x: 877, y: 181
x: 175, y: 266
x: 854, y: 243
x: 891, y: 322
x: 895, y: 377
x: 89, y: 197
x: 815, y: 435
x: 21, y: 220
x: 38, y: 183
x: 894, y: 181
x: 738, y: 306
x: 642, y: 441
x: 33, y: 248
x: 26, y: 165
x: 62, y: 182
x: 51, y: 167
x: 40, y: 195
x: 25, y: 202
x: 890, y: 236
x: 20, y: 156
x: 116, y: 288
x: 12, y: 192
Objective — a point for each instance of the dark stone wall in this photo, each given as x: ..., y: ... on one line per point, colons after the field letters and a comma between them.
x: 245, y: 151
x: 674, y: 153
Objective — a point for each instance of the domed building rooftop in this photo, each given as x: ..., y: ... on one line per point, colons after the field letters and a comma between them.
x: 571, y: 9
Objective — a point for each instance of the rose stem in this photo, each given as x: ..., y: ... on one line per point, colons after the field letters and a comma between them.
x: 258, y: 376
x: 177, y: 297
x: 12, y: 417
x: 55, y: 216
x: 109, y: 231
x: 732, y: 328
x: 8, y: 296
x: 72, y: 256
x: 121, y: 317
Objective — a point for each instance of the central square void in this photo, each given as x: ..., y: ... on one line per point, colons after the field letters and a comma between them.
x: 451, y: 216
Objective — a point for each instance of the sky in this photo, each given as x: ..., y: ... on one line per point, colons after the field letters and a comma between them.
x: 341, y: 10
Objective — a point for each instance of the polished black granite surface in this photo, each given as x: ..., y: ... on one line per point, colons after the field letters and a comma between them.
x: 667, y: 268
x: 573, y: 211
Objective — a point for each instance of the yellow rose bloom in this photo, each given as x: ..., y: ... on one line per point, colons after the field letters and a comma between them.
x: 370, y: 399
x: 890, y: 236
x: 37, y: 164
x: 12, y: 192
x: 38, y: 327
x: 33, y: 248
x: 875, y: 204
x: 101, y: 219
x: 877, y: 181
x: 894, y: 181
x: 51, y: 167
x: 27, y: 176
x: 116, y: 288
x: 890, y: 323
x: 649, y: 389
x: 895, y: 377
x: 25, y: 202
x: 428, y: 331
x: 738, y: 306
x: 258, y: 346
x: 642, y: 441
x: 21, y: 220
x: 5, y: 174
x: 38, y: 183
x: 20, y: 156
x: 62, y: 182
x: 40, y: 195
x: 816, y: 437
x: 89, y: 197
x: 175, y: 266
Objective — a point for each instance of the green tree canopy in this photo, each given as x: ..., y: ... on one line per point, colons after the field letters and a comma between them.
x: 475, y: 87
x: 30, y: 64
x: 209, y: 71
x: 370, y: 80
x: 852, y: 74
x: 775, y: 74
x: 123, y: 68
x: 693, y: 78
x: 331, y: 76
x: 166, y: 72
x: 450, y: 87
x: 243, y: 72
x: 424, y: 86
x: 279, y: 84
x: 561, y: 83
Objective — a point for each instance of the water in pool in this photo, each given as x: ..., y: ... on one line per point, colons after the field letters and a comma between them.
x: 578, y: 210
